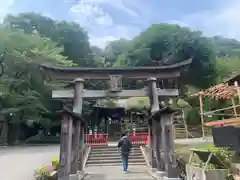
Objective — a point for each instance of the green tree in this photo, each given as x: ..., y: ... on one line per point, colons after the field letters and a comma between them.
x: 226, y: 48
x: 114, y: 52
x: 226, y: 68
x: 163, y: 44
x: 70, y: 36
x: 25, y: 93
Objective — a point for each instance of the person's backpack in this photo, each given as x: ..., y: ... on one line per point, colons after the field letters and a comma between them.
x: 126, y: 145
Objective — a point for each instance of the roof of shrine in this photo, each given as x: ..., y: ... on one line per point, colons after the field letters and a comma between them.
x: 70, y: 73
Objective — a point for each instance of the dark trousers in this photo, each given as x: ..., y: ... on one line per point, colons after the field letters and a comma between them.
x: 125, y: 161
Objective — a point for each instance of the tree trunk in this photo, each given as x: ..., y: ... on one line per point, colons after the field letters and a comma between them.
x: 17, y: 128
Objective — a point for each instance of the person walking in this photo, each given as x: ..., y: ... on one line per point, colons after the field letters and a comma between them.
x: 125, y: 147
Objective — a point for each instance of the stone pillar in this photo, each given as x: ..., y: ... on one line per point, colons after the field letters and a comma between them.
x: 150, y: 145
x: 81, y: 152
x: 153, y: 96
x: 154, y: 159
x: 168, y: 146
x: 75, y: 146
x: 77, y: 108
x: 161, y: 150
x: 65, y: 147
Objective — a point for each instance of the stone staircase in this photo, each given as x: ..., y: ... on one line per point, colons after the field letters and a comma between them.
x: 109, y: 156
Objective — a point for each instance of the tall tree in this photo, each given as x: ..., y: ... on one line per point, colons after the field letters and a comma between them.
x: 226, y: 68
x: 69, y: 35
x: 25, y: 94
x: 114, y: 52
x: 226, y: 48
x: 164, y: 44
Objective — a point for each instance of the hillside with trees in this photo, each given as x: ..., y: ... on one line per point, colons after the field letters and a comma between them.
x: 30, y: 39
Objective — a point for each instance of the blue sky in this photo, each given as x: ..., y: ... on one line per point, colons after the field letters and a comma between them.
x: 108, y: 20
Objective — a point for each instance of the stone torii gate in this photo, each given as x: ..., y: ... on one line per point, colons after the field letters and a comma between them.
x: 115, y: 75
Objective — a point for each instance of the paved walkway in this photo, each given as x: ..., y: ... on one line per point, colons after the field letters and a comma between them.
x: 19, y: 163
x: 116, y: 173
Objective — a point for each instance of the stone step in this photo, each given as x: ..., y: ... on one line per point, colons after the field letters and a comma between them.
x: 111, y: 146
x: 114, y: 157
x: 117, y: 164
x: 113, y: 154
x: 112, y: 161
x: 112, y: 149
x: 109, y: 156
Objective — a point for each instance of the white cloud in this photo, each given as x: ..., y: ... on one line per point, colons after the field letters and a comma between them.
x: 117, y: 4
x: 95, y: 16
x: 49, y: 15
x: 101, y: 39
x: 100, y: 24
x: 223, y: 21
x: 5, y: 8
x: 89, y: 14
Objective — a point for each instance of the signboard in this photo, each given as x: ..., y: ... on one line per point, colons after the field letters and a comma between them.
x: 115, y: 82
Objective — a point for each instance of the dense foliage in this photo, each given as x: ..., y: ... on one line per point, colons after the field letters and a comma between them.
x: 30, y: 39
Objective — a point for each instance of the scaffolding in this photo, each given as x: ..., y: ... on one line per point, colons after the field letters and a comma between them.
x: 228, y: 90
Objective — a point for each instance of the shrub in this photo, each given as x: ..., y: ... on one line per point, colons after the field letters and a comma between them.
x: 55, y: 163
x: 44, y: 172
x: 223, y: 155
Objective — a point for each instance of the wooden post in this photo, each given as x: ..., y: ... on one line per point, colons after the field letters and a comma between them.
x: 238, y: 90
x: 81, y: 153
x: 74, y: 148
x: 159, y: 150
x: 69, y: 144
x: 234, y: 107
x: 77, y: 108
x: 65, y: 147
x: 150, y: 145
x: 168, y: 146
x: 201, y: 114
x: 153, y: 96
x: 154, y: 156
